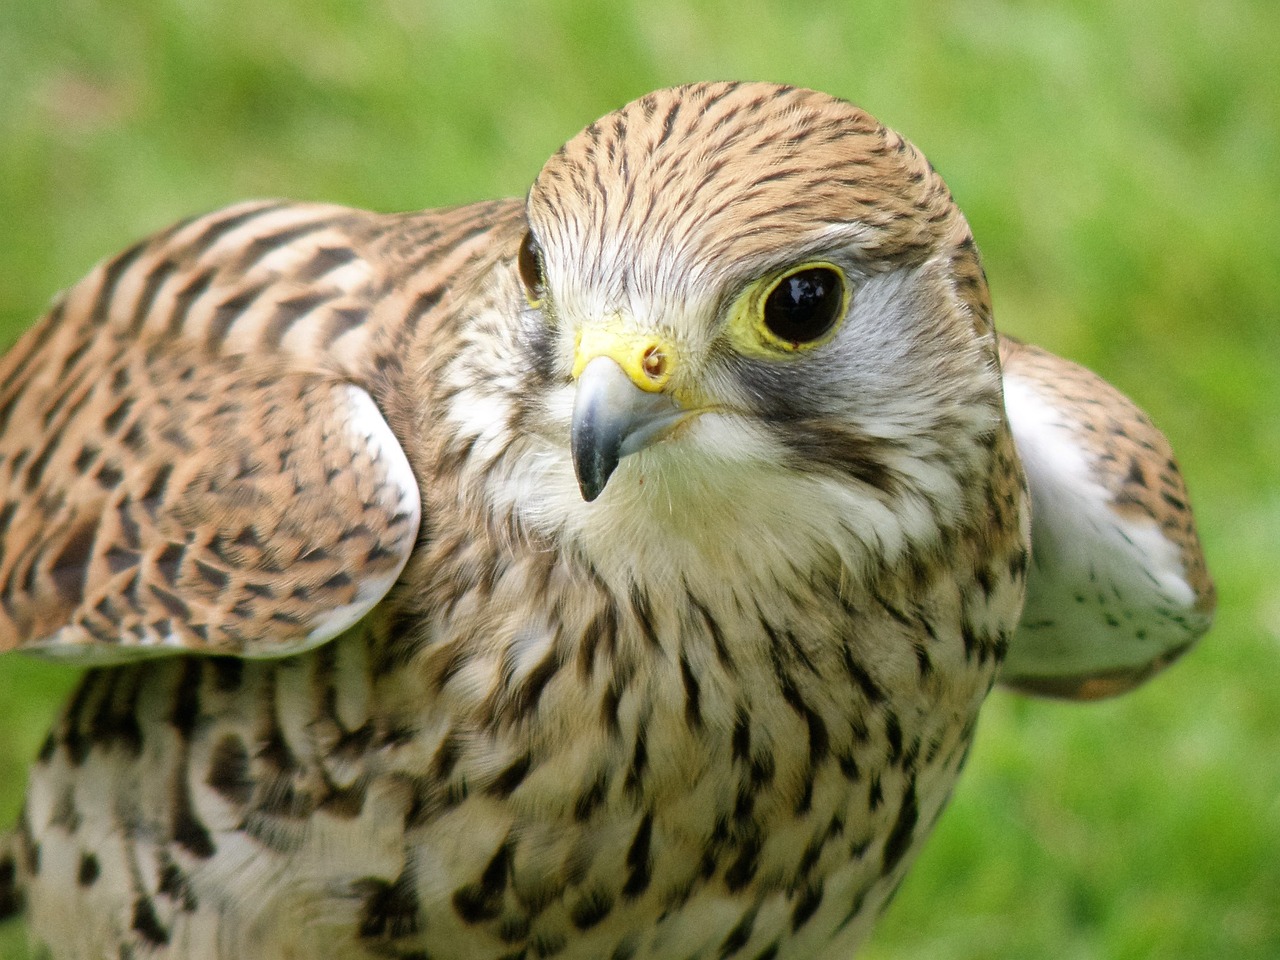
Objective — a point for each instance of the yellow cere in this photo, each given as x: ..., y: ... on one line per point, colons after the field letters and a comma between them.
x: 746, y: 326
x: 646, y: 359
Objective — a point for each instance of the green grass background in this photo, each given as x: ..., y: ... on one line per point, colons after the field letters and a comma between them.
x: 1118, y: 162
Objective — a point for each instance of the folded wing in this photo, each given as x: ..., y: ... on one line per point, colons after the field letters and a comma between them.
x: 181, y: 469
x: 1117, y: 587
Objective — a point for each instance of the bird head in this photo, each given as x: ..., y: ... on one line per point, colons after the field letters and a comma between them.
x: 749, y: 277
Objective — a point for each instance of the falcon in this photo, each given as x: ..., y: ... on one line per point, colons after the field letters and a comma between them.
x: 613, y: 574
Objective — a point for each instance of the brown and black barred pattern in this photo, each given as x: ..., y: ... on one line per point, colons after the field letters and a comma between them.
x: 148, y: 425
x: 681, y: 722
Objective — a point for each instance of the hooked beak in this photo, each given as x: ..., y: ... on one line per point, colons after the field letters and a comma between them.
x: 620, y: 406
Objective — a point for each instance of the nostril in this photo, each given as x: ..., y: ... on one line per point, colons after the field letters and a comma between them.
x: 654, y: 363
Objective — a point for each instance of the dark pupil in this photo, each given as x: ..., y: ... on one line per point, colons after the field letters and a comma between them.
x: 530, y: 267
x: 803, y: 306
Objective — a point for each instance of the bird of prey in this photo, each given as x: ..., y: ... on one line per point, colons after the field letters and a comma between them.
x: 612, y: 574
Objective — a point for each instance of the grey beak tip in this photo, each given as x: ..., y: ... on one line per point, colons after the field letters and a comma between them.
x: 612, y: 418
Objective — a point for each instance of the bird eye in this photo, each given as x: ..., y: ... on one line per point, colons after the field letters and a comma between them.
x: 529, y: 265
x: 805, y: 304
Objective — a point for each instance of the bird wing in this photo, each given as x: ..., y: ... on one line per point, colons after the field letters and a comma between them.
x: 1117, y: 587
x: 191, y: 458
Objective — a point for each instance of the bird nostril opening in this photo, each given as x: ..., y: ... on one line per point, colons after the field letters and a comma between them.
x: 654, y: 363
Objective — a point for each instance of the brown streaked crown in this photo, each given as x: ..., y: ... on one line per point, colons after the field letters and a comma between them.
x: 715, y: 172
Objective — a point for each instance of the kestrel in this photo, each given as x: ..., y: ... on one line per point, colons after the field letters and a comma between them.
x: 616, y: 574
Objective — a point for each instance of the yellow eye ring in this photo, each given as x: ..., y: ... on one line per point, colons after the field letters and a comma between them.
x: 795, y: 309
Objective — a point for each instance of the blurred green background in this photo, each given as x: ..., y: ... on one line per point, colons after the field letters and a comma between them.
x: 1119, y: 164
